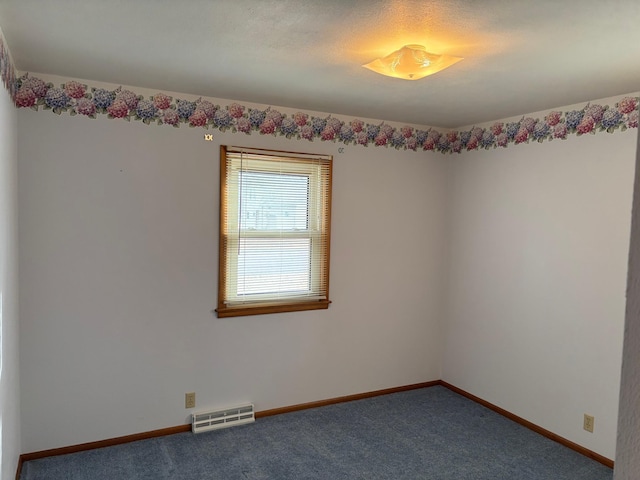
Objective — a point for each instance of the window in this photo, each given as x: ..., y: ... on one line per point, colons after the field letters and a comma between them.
x: 275, y: 213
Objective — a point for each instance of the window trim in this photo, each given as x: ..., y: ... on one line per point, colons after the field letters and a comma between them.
x: 286, y: 305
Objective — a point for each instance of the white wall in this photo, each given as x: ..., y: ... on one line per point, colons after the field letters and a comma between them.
x: 628, y: 447
x: 9, y: 375
x: 118, y: 257
x: 536, y: 293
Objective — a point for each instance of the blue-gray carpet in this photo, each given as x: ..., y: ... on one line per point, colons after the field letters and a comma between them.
x: 431, y: 433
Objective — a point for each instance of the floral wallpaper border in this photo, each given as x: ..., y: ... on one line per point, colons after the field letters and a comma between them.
x: 7, y: 69
x: 76, y: 98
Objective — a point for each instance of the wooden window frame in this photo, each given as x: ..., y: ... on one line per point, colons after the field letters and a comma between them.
x: 225, y: 309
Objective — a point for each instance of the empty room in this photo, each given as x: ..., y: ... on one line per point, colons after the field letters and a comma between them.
x: 374, y: 239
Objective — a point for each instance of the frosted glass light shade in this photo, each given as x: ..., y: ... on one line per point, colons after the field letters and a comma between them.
x: 411, y: 62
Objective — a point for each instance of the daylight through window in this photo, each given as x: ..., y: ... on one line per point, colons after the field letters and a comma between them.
x: 275, y: 212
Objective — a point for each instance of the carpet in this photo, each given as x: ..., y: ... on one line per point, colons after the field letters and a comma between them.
x: 431, y: 433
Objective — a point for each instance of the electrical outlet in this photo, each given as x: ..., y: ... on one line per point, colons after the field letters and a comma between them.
x: 190, y: 400
x: 588, y: 423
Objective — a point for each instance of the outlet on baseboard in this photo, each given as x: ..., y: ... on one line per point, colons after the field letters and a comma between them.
x: 588, y: 423
x: 190, y: 400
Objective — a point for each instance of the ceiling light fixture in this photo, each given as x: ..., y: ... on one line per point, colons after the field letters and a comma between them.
x: 411, y: 62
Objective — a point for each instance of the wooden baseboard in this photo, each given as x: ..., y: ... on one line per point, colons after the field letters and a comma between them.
x: 348, y: 398
x: 532, y: 426
x: 321, y: 403
x: 25, y: 457
x: 19, y: 469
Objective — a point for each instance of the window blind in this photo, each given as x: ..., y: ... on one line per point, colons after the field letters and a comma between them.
x: 275, y: 227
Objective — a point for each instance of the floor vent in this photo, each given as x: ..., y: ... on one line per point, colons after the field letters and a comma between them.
x: 216, y: 419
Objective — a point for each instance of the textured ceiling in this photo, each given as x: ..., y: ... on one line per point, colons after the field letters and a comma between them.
x: 520, y: 56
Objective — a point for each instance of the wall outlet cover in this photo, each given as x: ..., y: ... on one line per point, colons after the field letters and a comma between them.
x: 588, y: 423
